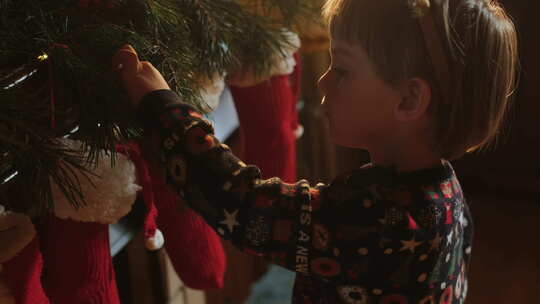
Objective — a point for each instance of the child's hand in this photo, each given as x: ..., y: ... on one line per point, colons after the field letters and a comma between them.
x: 16, y: 232
x: 138, y: 78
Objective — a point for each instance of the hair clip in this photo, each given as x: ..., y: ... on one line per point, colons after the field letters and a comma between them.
x: 419, y: 8
x: 434, y: 45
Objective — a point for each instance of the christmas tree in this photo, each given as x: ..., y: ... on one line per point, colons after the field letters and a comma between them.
x: 56, y: 77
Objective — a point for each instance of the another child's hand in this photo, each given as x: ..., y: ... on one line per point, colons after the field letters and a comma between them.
x: 138, y: 77
x: 16, y: 232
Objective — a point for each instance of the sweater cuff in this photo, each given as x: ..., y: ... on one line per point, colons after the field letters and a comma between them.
x: 157, y: 103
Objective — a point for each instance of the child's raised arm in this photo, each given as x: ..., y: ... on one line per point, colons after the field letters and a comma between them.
x: 334, y: 232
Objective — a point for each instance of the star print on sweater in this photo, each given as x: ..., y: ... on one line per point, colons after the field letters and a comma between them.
x: 373, y: 235
x: 230, y: 220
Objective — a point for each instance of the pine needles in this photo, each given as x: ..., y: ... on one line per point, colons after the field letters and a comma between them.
x: 56, y: 75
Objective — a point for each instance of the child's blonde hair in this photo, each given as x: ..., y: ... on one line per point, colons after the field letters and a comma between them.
x: 465, y: 49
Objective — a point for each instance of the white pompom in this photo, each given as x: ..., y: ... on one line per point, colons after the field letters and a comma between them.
x: 285, y: 63
x: 108, y: 194
x: 211, y: 90
x: 299, y: 131
x: 156, y: 242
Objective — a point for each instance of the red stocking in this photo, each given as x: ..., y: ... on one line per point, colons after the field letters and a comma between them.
x: 268, y: 119
x: 23, y: 275
x: 193, y: 247
x: 77, y: 263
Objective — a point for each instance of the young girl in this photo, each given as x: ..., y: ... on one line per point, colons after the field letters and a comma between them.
x: 416, y: 83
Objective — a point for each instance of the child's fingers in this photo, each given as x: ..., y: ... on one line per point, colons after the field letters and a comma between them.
x: 126, y: 59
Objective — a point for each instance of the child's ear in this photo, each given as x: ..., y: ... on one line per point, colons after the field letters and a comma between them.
x: 415, y: 101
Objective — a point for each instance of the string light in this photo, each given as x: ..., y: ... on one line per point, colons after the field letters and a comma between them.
x: 43, y: 57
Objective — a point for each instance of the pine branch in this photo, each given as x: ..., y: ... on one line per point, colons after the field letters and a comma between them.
x: 55, y: 66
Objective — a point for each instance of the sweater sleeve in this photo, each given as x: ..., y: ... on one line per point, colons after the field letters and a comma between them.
x: 322, y: 231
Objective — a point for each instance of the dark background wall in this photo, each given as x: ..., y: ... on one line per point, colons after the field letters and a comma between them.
x: 504, y: 187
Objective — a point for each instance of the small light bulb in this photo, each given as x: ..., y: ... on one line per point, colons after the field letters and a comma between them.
x: 43, y: 57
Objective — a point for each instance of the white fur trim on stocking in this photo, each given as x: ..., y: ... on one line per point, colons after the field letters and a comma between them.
x: 108, y: 194
x: 284, y: 63
x: 156, y: 242
x: 211, y: 91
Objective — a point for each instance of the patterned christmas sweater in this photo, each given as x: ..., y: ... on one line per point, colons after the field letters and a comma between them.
x: 371, y: 236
